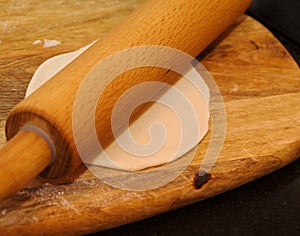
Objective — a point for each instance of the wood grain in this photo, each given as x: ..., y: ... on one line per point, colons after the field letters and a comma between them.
x: 173, y: 23
x: 259, y: 83
x: 75, y: 24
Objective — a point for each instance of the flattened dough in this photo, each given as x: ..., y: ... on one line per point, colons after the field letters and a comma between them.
x: 169, y: 149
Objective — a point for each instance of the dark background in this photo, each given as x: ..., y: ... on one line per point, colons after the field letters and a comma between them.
x: 268, y: 206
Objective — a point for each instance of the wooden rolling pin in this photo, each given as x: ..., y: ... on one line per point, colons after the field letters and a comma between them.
x: 39, y: 128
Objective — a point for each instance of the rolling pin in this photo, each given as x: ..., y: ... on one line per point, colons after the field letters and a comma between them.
x: 39, y: 128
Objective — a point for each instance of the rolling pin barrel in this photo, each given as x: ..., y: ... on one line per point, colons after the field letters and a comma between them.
x: 187, y: 25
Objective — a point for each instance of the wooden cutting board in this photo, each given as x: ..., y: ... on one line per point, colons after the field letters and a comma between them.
x: 259, y: 81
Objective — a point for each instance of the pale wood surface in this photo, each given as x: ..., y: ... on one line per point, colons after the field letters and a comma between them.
x: 259, y: 82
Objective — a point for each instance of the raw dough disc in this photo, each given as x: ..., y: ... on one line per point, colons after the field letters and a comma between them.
x: 169, y: 149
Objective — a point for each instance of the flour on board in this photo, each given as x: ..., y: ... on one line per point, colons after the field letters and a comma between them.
x: 48, y: 43
x: 37, y: 42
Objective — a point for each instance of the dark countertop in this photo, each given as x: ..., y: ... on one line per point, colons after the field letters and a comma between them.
x: 268, y: 206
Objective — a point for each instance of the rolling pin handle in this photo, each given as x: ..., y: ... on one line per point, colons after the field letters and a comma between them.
x: 22, y: 159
